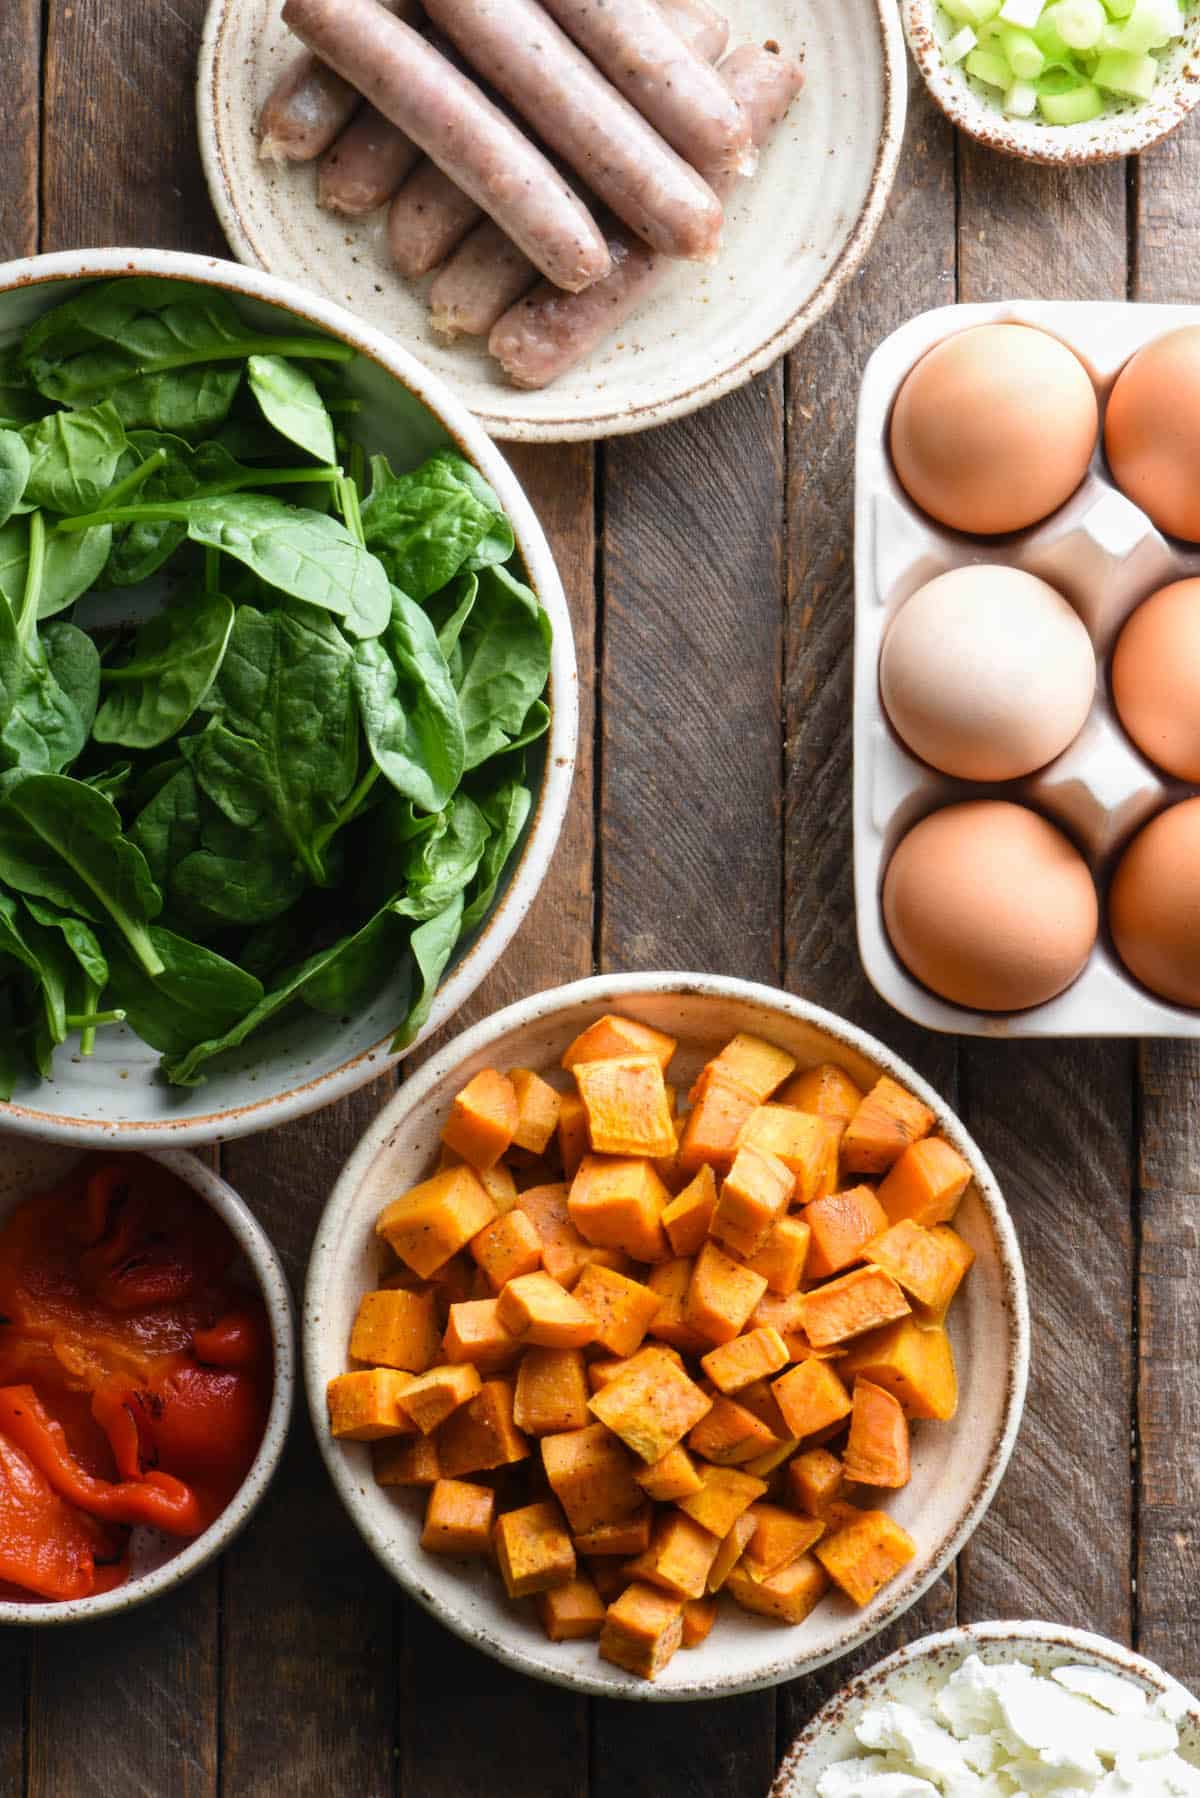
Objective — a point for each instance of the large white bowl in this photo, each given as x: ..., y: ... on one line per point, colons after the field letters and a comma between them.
x: 160, y: 1562
x: 304, y: 1060
x: 793, y: 236
x: 956, y: 1466
x: 830, y: 1736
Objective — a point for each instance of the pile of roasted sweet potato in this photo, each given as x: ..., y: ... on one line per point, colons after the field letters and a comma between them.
x: 642, y: 1357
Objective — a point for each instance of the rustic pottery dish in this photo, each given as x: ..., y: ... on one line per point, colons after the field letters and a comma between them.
x: 1105, y: 556
x: 1126, y: 128
x: 793, y: 237
x: 306, y: 1061
x: 160, y: 1562
x: 830, y: 1736
x: 956, y: 1466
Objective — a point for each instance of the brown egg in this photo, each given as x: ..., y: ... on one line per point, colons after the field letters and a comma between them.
x: 994, y: 428
x: 1152, y: 431
x: 1154, y: 904
x: 990, y: 906
x: 1156, y: 678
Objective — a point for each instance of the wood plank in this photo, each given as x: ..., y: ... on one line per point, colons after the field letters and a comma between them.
x: 20, y: 59
x: 690, y: 858
x: 1031, y: 232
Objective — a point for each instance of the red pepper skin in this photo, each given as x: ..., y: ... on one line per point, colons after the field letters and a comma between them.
x: 45, y: 1547
x: 240, y: 1338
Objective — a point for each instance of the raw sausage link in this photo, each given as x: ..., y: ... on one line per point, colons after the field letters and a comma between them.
x: 365, y: 165
x: 480, y: 282
x: 608, y: 143
x: 699, y: 25
x: 309, y: 104
x: 548, y: 332
x: 459, y: 129
x: 428, y: 218
x: 673, y: 88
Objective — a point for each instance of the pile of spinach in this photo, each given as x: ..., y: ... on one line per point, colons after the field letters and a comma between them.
x: 305, y: 771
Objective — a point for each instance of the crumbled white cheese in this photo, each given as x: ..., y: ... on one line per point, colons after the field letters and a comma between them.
x: 998, y: 1730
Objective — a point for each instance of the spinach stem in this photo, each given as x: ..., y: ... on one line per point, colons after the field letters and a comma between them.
x: 87, y: 1029
x: 177, y: 510
x: 313, y: 349
x: 116, y: 496
x: 348, y: 811
x: 347, y: 498
x: 212, y: 567
x: 35, y: 569
x: 86, y: 1021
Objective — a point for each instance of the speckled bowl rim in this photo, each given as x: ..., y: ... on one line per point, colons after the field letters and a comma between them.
x: 267, y: 1268
x: 1106, y: 139
x: 609, y: 989
x: 958, y: 1643
x: 522, y: 880
x: 625, y: 420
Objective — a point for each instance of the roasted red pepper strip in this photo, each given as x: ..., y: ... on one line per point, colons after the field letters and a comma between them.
x: 239, y: 1339
x: 45, y: 1547
x: 158, y: 1499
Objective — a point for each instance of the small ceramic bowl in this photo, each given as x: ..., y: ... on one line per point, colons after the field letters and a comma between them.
x: 956, y: 1466
x: 830, y: 1736
x: 1125, y: 129
x: 160, y: 1562
x: 116, y: 1097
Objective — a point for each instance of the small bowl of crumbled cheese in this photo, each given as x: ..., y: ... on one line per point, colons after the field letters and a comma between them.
x: 1002, y: 1710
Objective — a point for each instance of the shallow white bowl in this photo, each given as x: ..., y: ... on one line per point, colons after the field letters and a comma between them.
x: 304, y: 1061
x: 161, y: 1562
x: 956, y: 1466
x: 793, y: 236
x: 1129, y: 127
x: 830, y: 1736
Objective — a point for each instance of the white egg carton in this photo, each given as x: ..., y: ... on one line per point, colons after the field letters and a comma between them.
x: 1105, y: 556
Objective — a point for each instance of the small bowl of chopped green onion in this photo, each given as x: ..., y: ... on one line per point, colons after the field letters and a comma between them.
x: 1059, y: 81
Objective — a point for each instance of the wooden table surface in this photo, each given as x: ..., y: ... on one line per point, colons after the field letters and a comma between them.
x: 708, y: 567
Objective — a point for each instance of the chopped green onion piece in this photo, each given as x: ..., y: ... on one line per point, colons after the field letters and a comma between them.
x: 1050, y: 39
x: 1022, y: 13
x: 1022, y: 53
x: 1075, y: 107
x: 956, y: 47
x: 1150, y: 26
x: 988, y: 67
x: 1122, y: 73
x: 1080, y: 22
x: 1020, y: 102
x: 1118, y: 9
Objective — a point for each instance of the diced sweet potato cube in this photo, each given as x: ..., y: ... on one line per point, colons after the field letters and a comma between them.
x: 928, y: 1264
x: 533, y: 1550
x: 811, y: 1397
x: 764, y: 1465
x: 406, y: 1461
x: 617, y: 1202
x: 877, y: 1447
x: 759, y: 1398
x: 865, y: 1553
x: 679, y: 1556
x: 631, y: 1536
x: 711, y: 1129
x: 669, y: 1281
x: 825, y: 1091
x: 565, y: 1253
x: 612, y: 1036
x: 789, y: 1594
x: 781, y: 1260
x: 458, y: 1518
x: 571, y: 1612
x: 483, y: 1119
x: 749, y: 1062
x: 783, y: 1312
x: 396, y: 1329
x: 756, y: 1192
x: 500, y: 1186
x: 699, y: 1615
x: 552, y: 1392
x: 538, y: 1310
x: 806, y: 1145
x: 913, y: 1361
x: 537, y: 1110
x: 850, y: 1306
x: 730, y: 1434
x: 621, y: 1309
x: 925, y: 1183
x: 674, y: 1476
x: 686, y: 1218
x: 733, y: 1546
x: 573, y: 1143
x: 886, y: 1122
x: 815, y: 1479
x: 727, y: 1492
x: 507, y: 1248
x: 603, y: 1373
x: 365, y: 1406
x: 474, y: 1333
x: 609, y: 1575
x: 591, y: 1475
x: 481, y: 1434
x: 642, y: 1630
x: 842, y: 1225
x: 780, y: 1537
x: 753, y: 1356
x: 430, y: 1223
x: 627, y: 1108
x: 432, y: 1396
x: 721, y: 1295
x: 651, y: 1406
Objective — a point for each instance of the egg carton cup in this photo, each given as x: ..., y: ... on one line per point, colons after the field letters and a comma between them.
x: 1105, y: 556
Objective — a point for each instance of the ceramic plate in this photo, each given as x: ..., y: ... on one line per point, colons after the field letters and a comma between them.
x: 793, y: 236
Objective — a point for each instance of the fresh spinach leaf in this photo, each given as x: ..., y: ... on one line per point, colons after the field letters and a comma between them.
x: 41, y: 726
x: 499, y: 543
x: 14, y: 1066
x: 112, y: 781
x: 72, y: 564
x: 357, y: 966
x: 198, y: 994
x: 450, y: 609
x: 505, y: 810
x: 19, y: 399
x: 15, y: 464
x: 79, y: 937
x: 167, y: 828
x: 443, y: 862
x: 291, y: 403
x: 426, y: 524
x: 408, y: 708
x: 74, y: 662
x: 189, y: 402
x: 236, y: 876
x: 73, y: 458
x: 431, y: 946
x: 506, y: 664
x: 175, y: 659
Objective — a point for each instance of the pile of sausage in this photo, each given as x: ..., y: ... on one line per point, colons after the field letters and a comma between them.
x: 626, y: 96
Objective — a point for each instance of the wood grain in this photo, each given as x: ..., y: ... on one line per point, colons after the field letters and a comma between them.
x: 20, y: 62
x: 1027, y: 232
